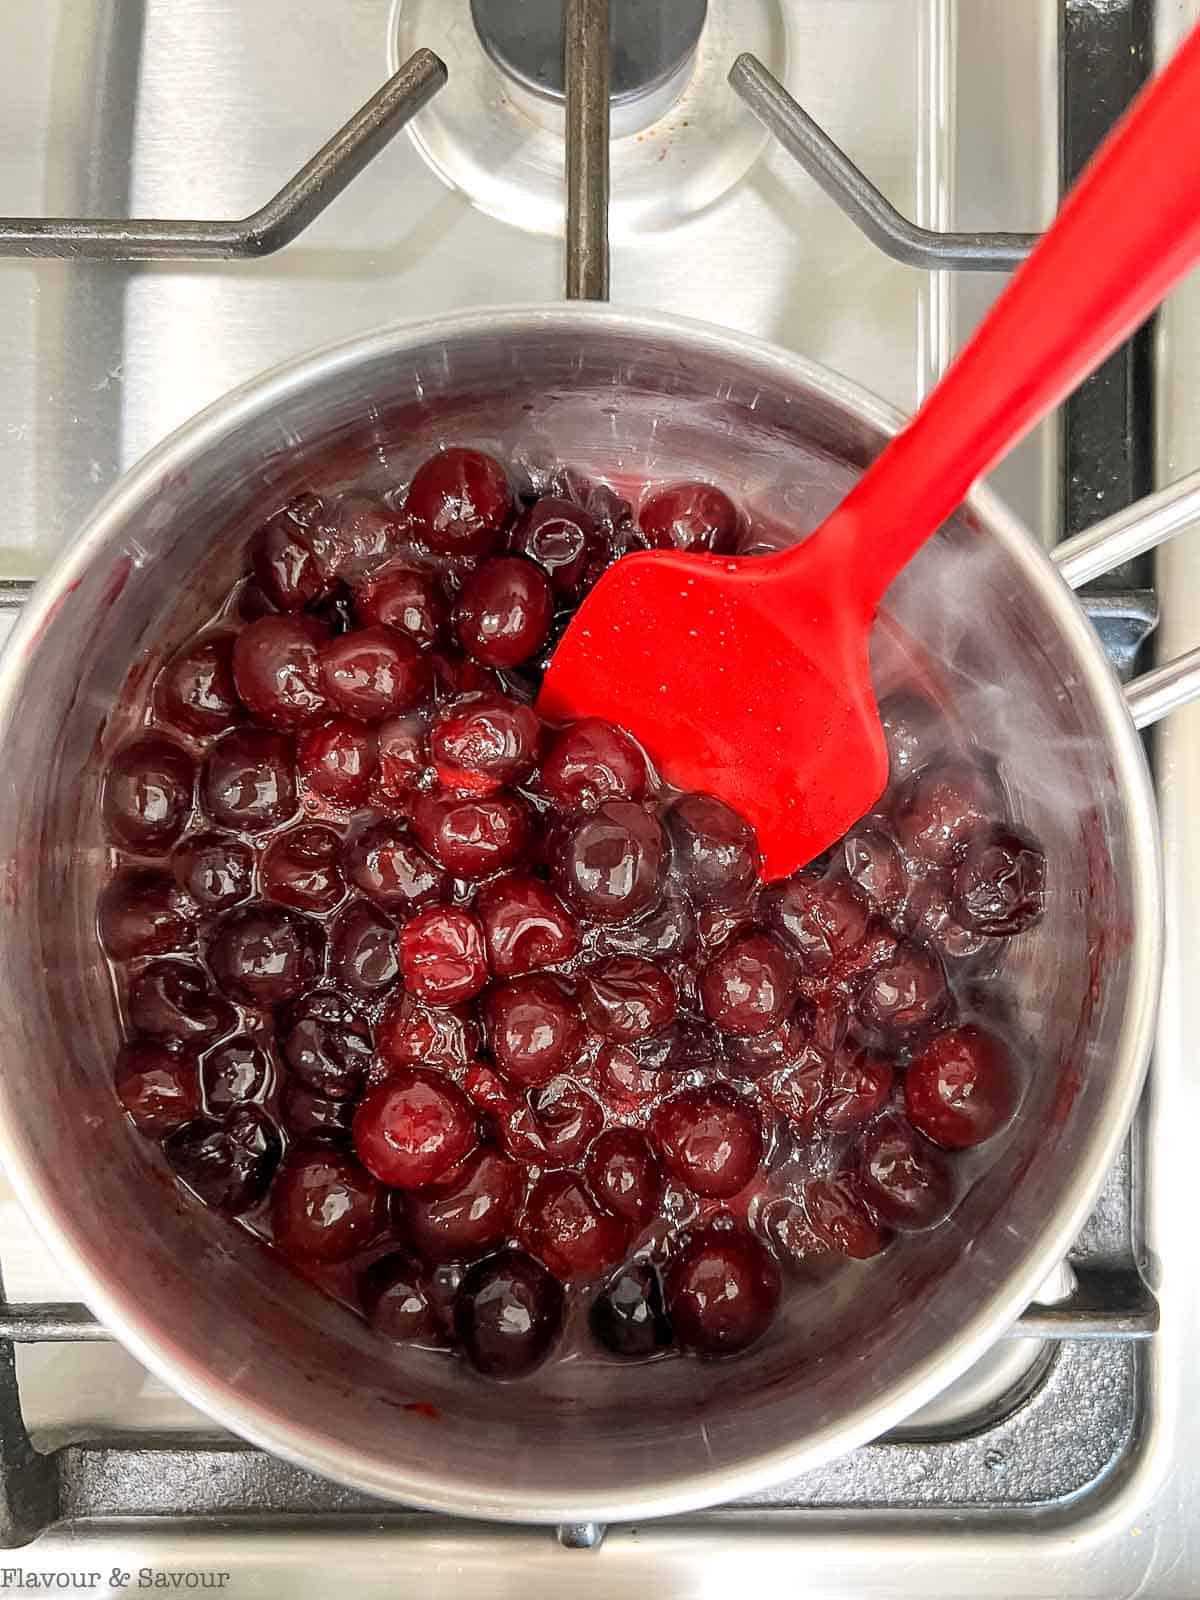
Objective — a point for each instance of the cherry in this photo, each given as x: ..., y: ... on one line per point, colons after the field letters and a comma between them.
x: 459, y: 502
x: 409, y: 1033
x: 159, y: 1089
x: 961, y: 1089
x: 515, y: 1125
x: 796, y: 1089
x: 942, y: 806
x: 559, y: 536
x: 455, y: 675
x: 264, y: 954
x: 337, y: 760
x: 276, y: 667
x: 375, y: 673
x: 930, y: 918
x: 998, y: 888
x: 148, y: 794
x: 905, y: 1180
x: 786, y: 1226
x: 396, y: 1296
x: 326, y: 1044
x: 300, y: 869
x: 611, y: 863
x: 194, y: 690
x: 358, y: 531
x: 915, y: 731
x: 442, y: 956
x: 690, y: 516
x: 627, y: 1084
x: 503, y: 613
x: 469, y: 1212
x: 687, y: 1045
x: 214, y: 870
x: 324, y: 1206
x: 822, y: 919
x: 507, y: 1314
x: 875, y: 867
x: 472, y: 836
x: 312, y: 1117
x: 629, y: 1317
x: 567, y: 1118
x: 234, y: 1071
x: 228, y: 1163
x: 754, y: 1054
x: 667, y: 932
x: 391, y: 868
x: 249, y: 780
x: 906, y: 994
x: 140, y: 914
x: 172, y: 1000
x: 413, y: 1128
x: 714, y: 851
x: 403, y: 757
x: 710, y: 1138
x: 483, y: 742
x: 335, y: 611
x: 283, y: 560
x: 626, y: 998
x: 407, y: 600
x: 534, y: 1027
x: 722, y: 1292
x: 624, y: 1175
x: 564, y: 1227
x: 840, y: 1217
x: 362, y: 949
x: 590, y: 762
x: 859, y: 1085
x: 525, y: 926
x: 749, y: 986
x: 611, y: 512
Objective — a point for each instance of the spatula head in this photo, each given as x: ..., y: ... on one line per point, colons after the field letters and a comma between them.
x: 744, y: 678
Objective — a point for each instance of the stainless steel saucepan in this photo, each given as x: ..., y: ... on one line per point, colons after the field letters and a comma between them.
x: 640, y: 397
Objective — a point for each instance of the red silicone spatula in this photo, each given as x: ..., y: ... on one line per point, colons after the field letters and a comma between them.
x: 749, y: 678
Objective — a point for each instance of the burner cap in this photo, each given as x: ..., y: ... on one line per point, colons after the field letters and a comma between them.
x: 650, y: 43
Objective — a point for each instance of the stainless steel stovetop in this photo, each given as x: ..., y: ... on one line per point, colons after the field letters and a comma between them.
x: 1055, y: 1468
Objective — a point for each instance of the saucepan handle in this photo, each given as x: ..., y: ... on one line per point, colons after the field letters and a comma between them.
x: 1118, y: 538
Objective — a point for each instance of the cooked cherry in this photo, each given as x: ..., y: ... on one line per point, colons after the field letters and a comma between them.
x: 455, y: 675
x: 534, y: 1026
x: 335, y: 610
x: 822, y: 919
x: 140, y: 914
x: 525, y: 926
x: 395, y: 1294
x: 214, y: 870
x: 627, y: 999
x: 667, y: 932
x: 472, y: 836
x: 904, y: 1179
x: 194, y: 691
x: 148, y: 794
x: 407, y: 600
x: 172, y: 1000
x: 785, y: 1223
x: 313, y: 1117
x: 403, y: 757
x: 611, y: 863
x: 265, y: 954
x: 469, y: 1212
x: 624, y: 1175
x: 840, y: 1217
x: 590, y: 762
x: 859, y: 1084
x: 284, y: 564
x: 442, y: 956
x: 507, y: 1314
x: 375, y: 673
x: 906, y: 994
x: 629, y: 1316
x: 324, y: 1206
x: 409, y: 1033
x: 459, y: 502
x: 563, y: 1225
x: 413, y: 1128
x: 690, y: 516
x: 300, y: 869
x: 942, y: 806
x: 876, y: 868
x: 749, y: 986
x: 999, y: 885
x: 796, y: 1088
x: 559, y: 536
x: 159, y: 1088
x: 327, y: 1045
x: 626, y: 1083
x: 363, y: 954
x: 687, y: 1045
x: 713, y: 850
x: 234, y: 1071
x: 710, y: 1138
x: 509, y: 1113
x: 358, y: 531
x: 567, y: 1118
x: 962, y: 1088
x: 228, y: 1163
x: 722, y: 1292
x: 337, y: 760
x: 915, y: 731
x: 753, y: 1054
x: 930, y: 918
x: 276, y: 667
x: 249, y: 780
x: 503, y: 613
x: 483, y: 742
x: 391, y: 868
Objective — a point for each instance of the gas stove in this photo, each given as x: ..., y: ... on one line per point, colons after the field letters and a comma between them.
x: 847, y: 178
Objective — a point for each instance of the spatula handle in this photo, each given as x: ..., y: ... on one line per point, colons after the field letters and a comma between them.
x: 1128, y: 230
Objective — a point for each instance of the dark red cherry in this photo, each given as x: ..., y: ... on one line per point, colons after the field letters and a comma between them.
x: 905, y: 1180
x: 628, y: 1316
x: 611, y: 864
x: 312, y: 1117
x: 509, y: 1114
x: 906, y: 994
x: 754, y: 1054
x: 796, y: 1089
x: 249, y: 780
x: 325, y: 1042
x: 590, y: 762
x: 148, y: 794
x: 962, y: 1088
x: 140, y: 914
x: 667, y: 932
x: 722, y: 1292
x: 840, y: 1217
x: 534, y: 1026
x: 459, y: 502
x: 786, y: 1226
x: 503, y: 613
x: 229, y: 1163
x: 172, y: 1000
x: 822, y: 919
x: 929, y: 917
x: 1000, y: 883
x: 391, y: 868
x: 624, y: 1175
x: 507, y: 1314
x: 482, y: 742
x: 626, y: 1083
x: 194, y: 690
x: 472, y: 836
x: 265, y: 954
x: 695, y: 517
x: 276, y: 667
x: 688, y: 1045
x: 300, y: 869
x: 337, y: 760
x: 455, y: 675
x: 525, y: 926
x: 559, y: 536
x: 407, y: 599
x: 875, y: 867
x: 710, y: 1138
x: 915, y: 731
x: 234, y: 1071
x: 565, y: 1228
x: 375, y: 673
x: 567, y: 1118
x: 159, y: 1088
x: 713, y: 851
x: 284, y: 564
x: 396, y: 1295
x: 324, y: 1205
x: 409, y: 1034
x: 357, y: 532
x: 363, y: 954
x: 469, y: 1212
x: 442, y: 957
x: 403, y: 757
x: 942, y: 806
x: 627, y: 999
x: 749, y: 986
x: 860, y: 1084
x: 214, y: 870
x: 412, y: 1128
